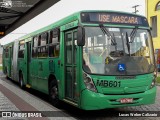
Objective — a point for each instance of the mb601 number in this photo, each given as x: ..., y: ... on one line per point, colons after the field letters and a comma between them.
x: 106, y: 83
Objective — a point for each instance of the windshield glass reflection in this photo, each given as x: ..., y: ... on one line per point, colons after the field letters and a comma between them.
x: 104, y: 52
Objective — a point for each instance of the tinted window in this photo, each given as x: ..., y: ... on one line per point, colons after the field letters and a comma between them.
x: 34, y: 47
x: 54, y: 50
x: 6, y: 53
x: 44, y: 38
x: 43, y: 51
x: 35, y: 41
x: 54, y: 43
x: 54, y: 36
x: 34, y: 52
x: 21, y: 49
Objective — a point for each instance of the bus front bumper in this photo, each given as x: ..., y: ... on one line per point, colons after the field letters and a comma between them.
x: 94, y: 101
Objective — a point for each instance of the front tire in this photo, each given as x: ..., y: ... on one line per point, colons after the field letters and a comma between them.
x: 53, y: 93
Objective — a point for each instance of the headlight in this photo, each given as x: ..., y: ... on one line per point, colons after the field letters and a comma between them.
x: 155, y: 73
x: 89, y: 83
x: 153, y: 83
x: 154, y: 79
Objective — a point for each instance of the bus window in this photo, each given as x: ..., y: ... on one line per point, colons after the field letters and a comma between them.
x: 54, y: 36
x: 6, y: 53
x: 42, y: 48
x: 21, y: 49
x: 74, y: 47
x: 54, y: 50
x: 35, y: 41
x: 34, y: 52
x: 44, y: 38
x: 43, y: 51
x: 34, y: 47
x: 51, y: 51
x: 39, y: 40
x: 54, y: 43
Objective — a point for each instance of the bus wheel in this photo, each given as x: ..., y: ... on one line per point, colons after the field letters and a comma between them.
x: 21, y: 82
x: 53, y: 93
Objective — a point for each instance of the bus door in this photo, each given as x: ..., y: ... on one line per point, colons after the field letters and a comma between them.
x: 71, y: 66
x: 27, y: 63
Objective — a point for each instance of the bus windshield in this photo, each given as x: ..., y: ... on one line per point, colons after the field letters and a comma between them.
x: 107, y: 48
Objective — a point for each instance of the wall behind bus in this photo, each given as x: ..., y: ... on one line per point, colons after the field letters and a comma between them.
x: 150, y: 12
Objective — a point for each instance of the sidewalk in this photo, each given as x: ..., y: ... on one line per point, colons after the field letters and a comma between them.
x: 158, y: 74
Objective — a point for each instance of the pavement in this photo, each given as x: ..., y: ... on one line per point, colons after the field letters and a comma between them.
x: 14, y: 99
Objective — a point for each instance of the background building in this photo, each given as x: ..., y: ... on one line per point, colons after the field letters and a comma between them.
x: 153, y: 15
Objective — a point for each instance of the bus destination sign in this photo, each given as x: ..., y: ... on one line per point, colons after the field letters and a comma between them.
x: 118, y: 19
x: 113, y: 18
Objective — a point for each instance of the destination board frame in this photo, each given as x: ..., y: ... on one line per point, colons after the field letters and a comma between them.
x: 113, y: 18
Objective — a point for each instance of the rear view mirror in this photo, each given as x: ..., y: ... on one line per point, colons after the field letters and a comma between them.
x: 80, y: 36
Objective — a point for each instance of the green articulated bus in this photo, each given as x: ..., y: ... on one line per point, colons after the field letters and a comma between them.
x: 90, y: 59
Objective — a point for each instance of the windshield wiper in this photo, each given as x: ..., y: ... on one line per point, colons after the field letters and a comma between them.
x: 128, y: 44
x: 115, y: 43
x: 106, y: 32
x: 133, y: 34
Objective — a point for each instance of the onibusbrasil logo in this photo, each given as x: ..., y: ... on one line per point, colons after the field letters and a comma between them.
x: 14, y: 4
x: 6, y: 4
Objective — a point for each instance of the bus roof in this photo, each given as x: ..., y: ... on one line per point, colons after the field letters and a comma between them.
x: 67, y: 19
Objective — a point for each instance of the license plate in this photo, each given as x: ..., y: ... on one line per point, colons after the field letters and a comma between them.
x: 126, y: 100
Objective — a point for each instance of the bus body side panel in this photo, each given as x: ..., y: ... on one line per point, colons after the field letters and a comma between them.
x: 21, y: 67
x: 14, y: 61
x: 3, y: 61
x: 7, y: 54
x: 9, y: 62
x: 61, y: 70
x: 43, y: 71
